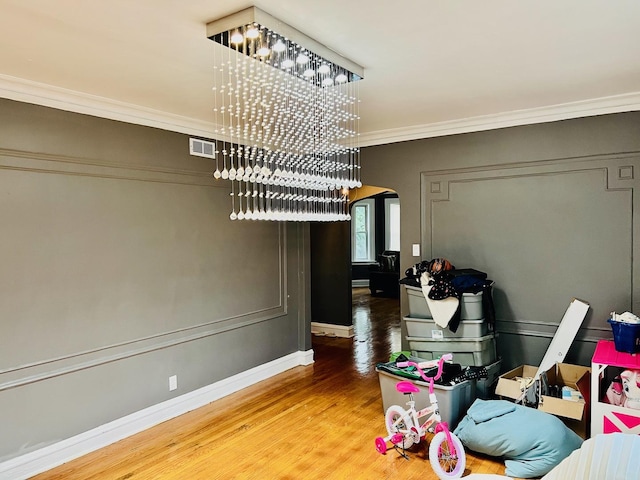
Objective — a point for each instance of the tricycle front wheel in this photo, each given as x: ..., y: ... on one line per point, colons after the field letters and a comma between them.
x: 445, y: 461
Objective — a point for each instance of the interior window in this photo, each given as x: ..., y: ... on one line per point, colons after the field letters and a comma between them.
x: 363, y: 231
x: 392, y: 223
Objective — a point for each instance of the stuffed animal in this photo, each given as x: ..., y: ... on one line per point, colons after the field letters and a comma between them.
x: 624, y: 390
x: 631, y: 387
x: 439, y: 265
x: 615, y: 395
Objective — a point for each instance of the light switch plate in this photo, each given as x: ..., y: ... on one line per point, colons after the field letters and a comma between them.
x: 416, y: 249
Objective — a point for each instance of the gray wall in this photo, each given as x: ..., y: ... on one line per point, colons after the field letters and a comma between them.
x: 331, y: 273
x: 120, y: 268
x: 548, y: 211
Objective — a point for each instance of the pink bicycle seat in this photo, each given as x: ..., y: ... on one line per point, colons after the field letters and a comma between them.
x: 406, y: 387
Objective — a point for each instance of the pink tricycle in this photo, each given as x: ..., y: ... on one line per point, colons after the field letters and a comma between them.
x: 446, y: 452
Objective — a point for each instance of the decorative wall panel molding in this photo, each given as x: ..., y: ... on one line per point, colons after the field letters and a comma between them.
x: 65, y: 165
x: 75, y: 225
x: 77, y: 361
x: 573, y: 220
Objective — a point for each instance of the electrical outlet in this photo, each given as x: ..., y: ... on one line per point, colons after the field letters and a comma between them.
x: 173, y: 382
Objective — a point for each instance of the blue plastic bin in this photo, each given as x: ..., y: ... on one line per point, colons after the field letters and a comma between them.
x: 626, y: 336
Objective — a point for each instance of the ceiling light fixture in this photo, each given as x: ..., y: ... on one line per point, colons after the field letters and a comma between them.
x: 286, y: 110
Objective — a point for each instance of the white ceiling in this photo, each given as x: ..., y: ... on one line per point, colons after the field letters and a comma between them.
x: 432, y: 67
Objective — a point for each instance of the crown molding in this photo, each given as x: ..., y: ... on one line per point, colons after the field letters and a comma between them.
x: 565, y: 111
x: 28, y: 91
x: 36, y: 93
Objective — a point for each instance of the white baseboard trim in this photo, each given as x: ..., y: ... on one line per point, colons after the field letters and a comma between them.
x: 46, y: 458
x: 330, y: 330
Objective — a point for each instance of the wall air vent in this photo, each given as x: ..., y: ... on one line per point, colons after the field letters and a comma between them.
x: 202, y: 148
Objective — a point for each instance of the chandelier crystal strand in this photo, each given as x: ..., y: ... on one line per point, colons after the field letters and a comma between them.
x: 233, y: 215
x: 235, y: 113
x: 240, y: 195
x: 247, y: 199
x: 225, y: 107
x: 356, y: 135
x: 242, y: 170
x: 214, y: 89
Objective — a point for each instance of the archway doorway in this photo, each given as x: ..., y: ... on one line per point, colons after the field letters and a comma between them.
x: 375, y: 240
x: 332, y: 265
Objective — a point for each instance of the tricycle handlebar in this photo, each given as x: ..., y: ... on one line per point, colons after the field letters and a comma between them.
x: 428, y: 364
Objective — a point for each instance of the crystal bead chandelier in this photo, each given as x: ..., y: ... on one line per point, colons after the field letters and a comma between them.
x: 286, y: 115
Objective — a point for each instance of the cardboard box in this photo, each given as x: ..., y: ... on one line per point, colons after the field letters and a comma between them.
x: 509, y: 384
x: 574, y: 414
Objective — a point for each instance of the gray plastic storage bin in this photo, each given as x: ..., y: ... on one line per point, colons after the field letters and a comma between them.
x: 466, y: 351
x: 453, y: 401
x: 418, y: 307
x: 428, y: 328
x: 485, y: 387
x: 471, y: 308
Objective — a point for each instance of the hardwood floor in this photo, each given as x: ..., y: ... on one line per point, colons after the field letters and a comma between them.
x: 314, y: 422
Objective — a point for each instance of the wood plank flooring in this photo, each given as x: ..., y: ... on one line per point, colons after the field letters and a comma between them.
x: 313, y: 422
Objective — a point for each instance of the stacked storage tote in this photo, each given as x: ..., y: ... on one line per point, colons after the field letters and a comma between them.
x: 472, y: 344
